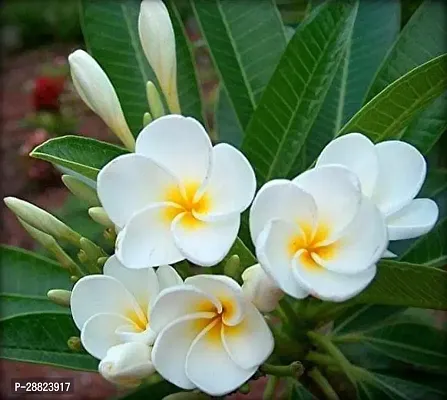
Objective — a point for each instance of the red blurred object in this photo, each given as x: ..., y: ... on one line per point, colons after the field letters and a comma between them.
x: 47, y: 91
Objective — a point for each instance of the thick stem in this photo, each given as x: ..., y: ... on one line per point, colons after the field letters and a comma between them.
x: 323, y: 384
x: 294, y: 369
x: 270, y: 388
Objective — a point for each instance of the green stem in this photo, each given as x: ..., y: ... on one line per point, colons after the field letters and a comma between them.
x: 323, y: 384
x: 294, y: 369
x: 270, y: 387
x: 321, y: 359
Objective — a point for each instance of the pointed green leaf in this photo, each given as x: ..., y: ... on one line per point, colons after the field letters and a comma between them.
x: 435, y: 183
x: 111, y: 34
x: 42, y: 338
x: 294, y: 95
x: 80, y: 154
x: 227, y: 124
x: 387, y: 114
x: 408, y: 285
x: 376, y: 28
x: 25, y: 279
x: 245, y: 40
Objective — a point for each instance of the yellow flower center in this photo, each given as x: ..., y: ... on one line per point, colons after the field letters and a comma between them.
x: 312, y: 242
x: 140, y: 320
x: 186, y: 203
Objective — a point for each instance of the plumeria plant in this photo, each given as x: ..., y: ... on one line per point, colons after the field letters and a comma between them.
x: 304, y: 248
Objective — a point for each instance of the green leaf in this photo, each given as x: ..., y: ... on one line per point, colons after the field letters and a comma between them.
x: 408, y: 285
x: 42, y: 338
x: 245, y: 41
x: 430, y: 249
x: 373, y: 386
x: 412, y: 343
x: 376, y: 27
x: 387, y: 114
x: 111, y: 34
x: 227, y: 124
x: 358, y: 318
x: 294, y: 95
x: 435, y: 183
x: 80, y: 154
x: 422, y: 39
x: 25, y: 279
x: 299, y: 392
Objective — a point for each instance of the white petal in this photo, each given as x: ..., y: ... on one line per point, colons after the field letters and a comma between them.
x: 98, y: 334
x: 158, y: 43
x: 361, y: 244
x: 226, y: 290
x: 172, y: 345
x: 260, y: 289
x: 414, y: 220
x: 329, y: 285
x: 250, y: 343
x: 401, y: 175
x: 168, y: 277
x: 178, y: 301
x: 97, y: 92
x: 130, y: 183
x: 142, y: 283
x: 273, y: 254
x: 147, y: 240
x: 127, y: 364
x: 336, y: 192
x: 178, y: 143
x: 209, y: 366
x: 95, y: 294
x: 280, y: 199
x: 205, y: 243
x: 356, y: 152
x: 231, y: 184
x: 131, y: 333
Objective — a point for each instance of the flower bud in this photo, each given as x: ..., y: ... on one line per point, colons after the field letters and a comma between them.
x: 41, y: 220
x: 97, y: 92
x: 92, y: 251
x: 74, y: 343
x: 99, y: 215
x: 158, y: 42
x: 154, y: 100
x: 260, y: 289
x: 147, y: 119
x: 60, y: 296
x: 127, y: 364
x: 81, y: 190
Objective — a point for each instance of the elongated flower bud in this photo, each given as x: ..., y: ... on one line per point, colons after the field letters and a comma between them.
x: 50, y: 243
x: 97, y: 92
x: 60, y: 296
x: 41, y: 220
x: 154, y: 100
x: 81, y: 190
x: 99, y: 215
x: 158, y: 42
x: 260, y: 289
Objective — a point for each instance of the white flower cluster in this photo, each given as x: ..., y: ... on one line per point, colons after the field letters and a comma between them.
x: 178, y: 197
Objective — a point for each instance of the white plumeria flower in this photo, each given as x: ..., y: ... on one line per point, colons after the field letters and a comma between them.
x: 209, y: 335
x: 260, y: 289
x: 158, y: 43
x: 114, y: 309
x: 317, y: 234
x: 178, y: 197
x: 97, y: 92
x: 127, y: 364
x: 391, y: 174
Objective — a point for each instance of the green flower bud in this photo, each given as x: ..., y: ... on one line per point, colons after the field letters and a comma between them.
x: 154, y: 100
x: 147, y: 119
x: 92, y: 251
x: 50, y: 243
x: 102, y: 260
x: 232, y: 267
x: 74, y: 343
x: 98, y: 215
x: 110, y: 235
x: 60, y: 296
x: 42, y: 220
x: 81, y: 190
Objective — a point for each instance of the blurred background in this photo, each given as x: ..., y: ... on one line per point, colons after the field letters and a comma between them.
x: 39, y: 102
